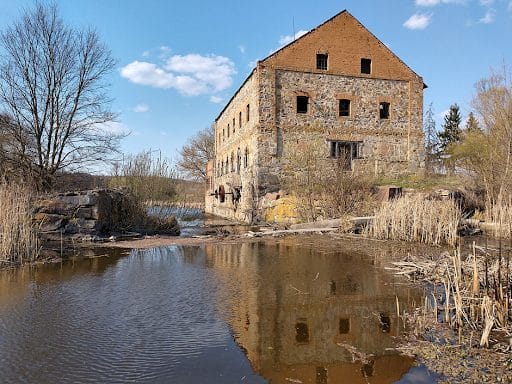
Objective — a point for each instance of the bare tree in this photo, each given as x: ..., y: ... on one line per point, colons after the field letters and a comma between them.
x: 53, y: 93
x: 196, y: 153
x: 487, y: 153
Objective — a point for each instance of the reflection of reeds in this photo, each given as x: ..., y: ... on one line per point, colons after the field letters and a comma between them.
x: 18, y: 239
x: 417, y: 219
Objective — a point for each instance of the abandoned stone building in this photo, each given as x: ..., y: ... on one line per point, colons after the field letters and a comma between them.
x: 364, y: 102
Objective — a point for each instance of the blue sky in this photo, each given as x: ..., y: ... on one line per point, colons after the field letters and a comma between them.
x: 178, y: 62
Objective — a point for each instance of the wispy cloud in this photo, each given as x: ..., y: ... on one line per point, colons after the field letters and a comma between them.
x: 287, y: 39
x: 216, y: 99
x: 112, y: 128
x: 510, y: 6
x: 141, y: 108
x: 241, y: 48
x: 486, y: 3
x: 418, y: 21
x: 432, y: 3
x: 489, y: 17
x: 190, y: 75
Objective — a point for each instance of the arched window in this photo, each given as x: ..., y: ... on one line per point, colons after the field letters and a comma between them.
x: 238, y: 161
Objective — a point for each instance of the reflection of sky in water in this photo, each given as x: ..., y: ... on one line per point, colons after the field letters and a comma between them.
x: 220, y: 313
x: 419, y: 375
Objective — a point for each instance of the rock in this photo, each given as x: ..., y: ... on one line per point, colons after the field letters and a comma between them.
x: 48, y: 222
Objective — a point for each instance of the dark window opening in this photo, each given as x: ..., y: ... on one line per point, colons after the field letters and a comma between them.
x: 302, y: 331
x: 302, y: 104
x: 344, y: 326
x: 222, y: 194
x: 238, y: 161
x: 247, y: 111
x: 384, y: 110
x: 345, y: 152
x: 246, y: 157
x: 344, y: 107
x: 239, y: 119
x: 228, y: 130
x: 385, y: 323
x: 321, y: 61
x: 367, y: 369
x: 321, y: 375
x: 366, y: 66
x: 233, y: 125
x: 332, y: 287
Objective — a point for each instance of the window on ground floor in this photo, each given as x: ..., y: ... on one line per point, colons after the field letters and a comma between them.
x: 345, y: 152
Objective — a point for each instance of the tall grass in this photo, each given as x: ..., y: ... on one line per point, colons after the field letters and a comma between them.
x: 500, y: 214
x: 417, y: 219
x: 18, y: 237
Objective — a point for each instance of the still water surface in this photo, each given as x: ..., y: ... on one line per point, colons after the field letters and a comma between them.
x: 279, y: 311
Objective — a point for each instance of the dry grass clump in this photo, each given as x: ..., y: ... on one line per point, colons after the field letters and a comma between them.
x: 417, y: 219
x: 18, y: 237
x: 500, y: 214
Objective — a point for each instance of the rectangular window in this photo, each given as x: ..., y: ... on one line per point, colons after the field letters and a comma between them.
x: 345, y: 152
x: 384, y: 110
x: 344, y: 325
x: 302, y: 331
x: 344, y: 107
x: 321, y: 61
x: 239, y: 119
x: 302, y: 104
x: 366, y: 66
x: 233, y: 125
x: 247, y: 111
x: 228, y: 131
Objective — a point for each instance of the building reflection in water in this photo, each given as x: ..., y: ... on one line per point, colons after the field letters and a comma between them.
x: 310, y: 315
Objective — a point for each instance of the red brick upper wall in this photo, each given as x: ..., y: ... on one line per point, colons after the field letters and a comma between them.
x: 346, y: 41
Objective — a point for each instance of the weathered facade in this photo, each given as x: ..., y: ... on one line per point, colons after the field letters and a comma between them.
x: 361, y: 99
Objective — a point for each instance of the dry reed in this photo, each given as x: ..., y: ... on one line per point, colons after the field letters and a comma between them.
x: 417, y: 219
x: 18, y: 237
x: 500, y: 215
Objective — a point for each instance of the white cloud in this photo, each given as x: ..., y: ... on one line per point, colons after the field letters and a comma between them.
x: 145, y: 54
x: 287, y: 39
x: 112, y: 127
x: 427, y: 3
x: 486, y: 3
x: 242, y: 49
x: 489, y: 17
x: 190, y: 75
x: 418, y: 21
x: 141, y: 108
x: 431, y: 3
x: 216, y: 99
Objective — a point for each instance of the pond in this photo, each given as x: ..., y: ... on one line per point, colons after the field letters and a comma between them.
x: 279, y: 310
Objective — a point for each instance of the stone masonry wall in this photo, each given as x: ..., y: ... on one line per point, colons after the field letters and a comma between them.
x: 234, y: 166
x: 391, y: 146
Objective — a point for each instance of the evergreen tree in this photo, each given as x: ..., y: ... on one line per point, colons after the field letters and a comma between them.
x: 431, y: 140
x: 472, y: 125
x: 451, y: 133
